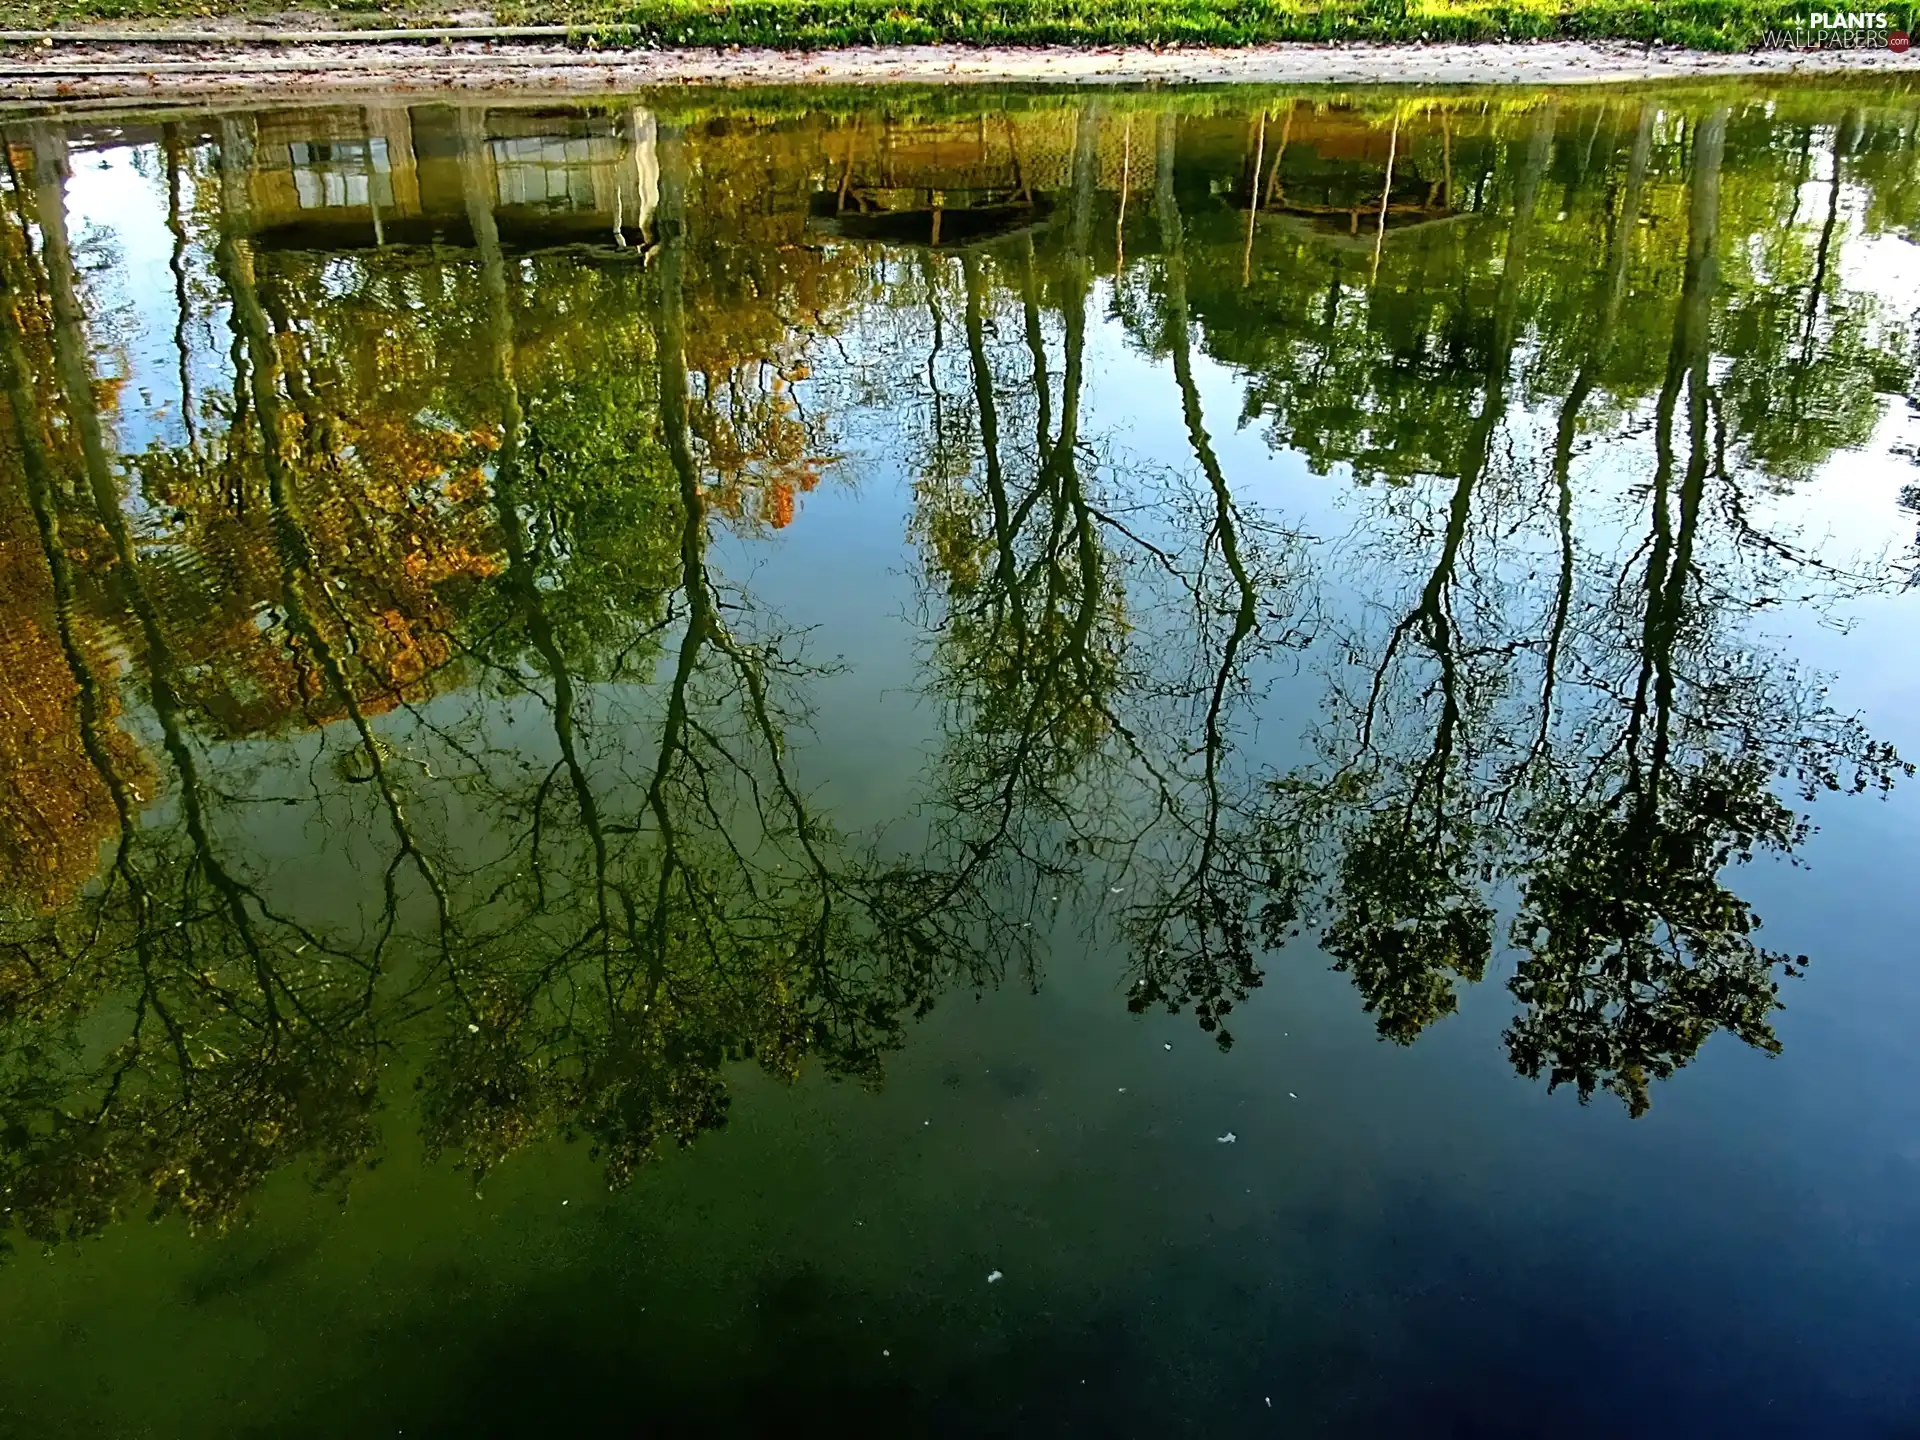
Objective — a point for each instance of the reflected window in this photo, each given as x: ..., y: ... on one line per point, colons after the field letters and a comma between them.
x: 334, y: 174
x: 550, y: 172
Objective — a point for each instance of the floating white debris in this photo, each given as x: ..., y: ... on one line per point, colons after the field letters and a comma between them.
x: 1123, y: 1089
x: 1228, y: 1138
x: 889, y: 1352
x: 1166, y: 1047
x: 994, y: 1277
x: 1292, y: 1096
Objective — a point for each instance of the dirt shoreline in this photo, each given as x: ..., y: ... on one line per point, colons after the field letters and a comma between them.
x: 121, y: 71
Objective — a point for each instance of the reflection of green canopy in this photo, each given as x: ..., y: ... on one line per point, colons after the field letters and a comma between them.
x: 937, y: 219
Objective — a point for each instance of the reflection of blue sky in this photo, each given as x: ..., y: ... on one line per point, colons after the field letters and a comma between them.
x: 122, y: 195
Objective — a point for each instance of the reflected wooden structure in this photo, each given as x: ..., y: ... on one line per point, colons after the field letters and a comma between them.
x: 942, y: 184
x: 1341, y: 176
x: 935, y: 219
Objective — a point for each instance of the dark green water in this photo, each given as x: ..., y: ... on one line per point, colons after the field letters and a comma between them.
x: 964, y: 764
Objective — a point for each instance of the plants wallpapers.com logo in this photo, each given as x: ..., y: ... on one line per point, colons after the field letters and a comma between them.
x: 1839, y: 30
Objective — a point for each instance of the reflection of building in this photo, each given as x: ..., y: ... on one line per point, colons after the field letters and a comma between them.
x: 348, y: 169
x: 387, y: 174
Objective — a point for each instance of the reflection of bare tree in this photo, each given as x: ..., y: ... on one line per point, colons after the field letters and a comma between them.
x: 1090, y: 727
x: 261, y: 1015
x: 174, y: 155
x: 1194, y: 938
x: 302, y: 589
x: 1636, y: 950
x: 710, y: 913
x: 1408, y: 919
x: 1619, y: 239
x: 1031, y: 609
x: 1614, y: 796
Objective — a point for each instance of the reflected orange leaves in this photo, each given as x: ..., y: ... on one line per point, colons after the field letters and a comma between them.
x: 318, y: 560
x: 755, y: 439
x: 757, y: 446
x: 55, y: 810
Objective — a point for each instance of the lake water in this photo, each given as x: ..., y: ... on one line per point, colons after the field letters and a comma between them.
x: 965, y: 763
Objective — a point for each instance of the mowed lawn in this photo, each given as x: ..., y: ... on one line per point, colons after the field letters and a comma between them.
x: 817, y: 24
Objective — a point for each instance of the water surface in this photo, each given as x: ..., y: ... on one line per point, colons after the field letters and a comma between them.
x: 962, y: 763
